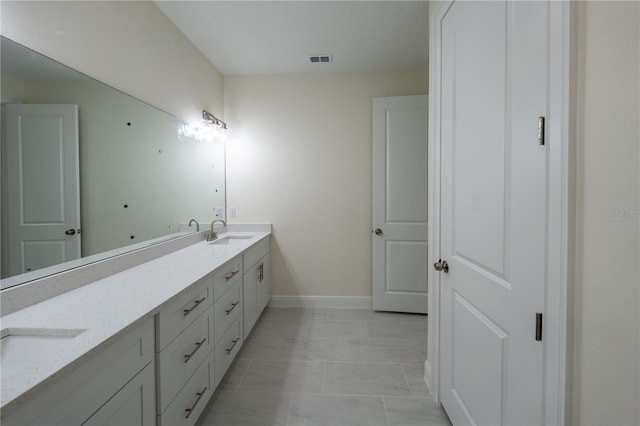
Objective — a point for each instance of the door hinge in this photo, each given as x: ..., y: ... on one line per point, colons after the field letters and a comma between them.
x: 538, y: 326
x: 541, y: 130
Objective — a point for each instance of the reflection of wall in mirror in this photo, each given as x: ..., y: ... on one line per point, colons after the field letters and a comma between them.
x: 130, y: 156
x: 12, y: 91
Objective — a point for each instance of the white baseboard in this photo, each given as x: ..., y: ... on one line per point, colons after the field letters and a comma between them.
x: 356, y: 302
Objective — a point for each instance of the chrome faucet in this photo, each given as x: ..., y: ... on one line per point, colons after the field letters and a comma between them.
x: 213, y: 234
x: 197, y: 224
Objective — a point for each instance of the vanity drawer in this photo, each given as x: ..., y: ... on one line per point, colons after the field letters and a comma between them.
x: 226, y: 276
x: 227, y: 348
x: 177, y: 316
x: 255, y: 253
x: 192, y: 398
x: 178, y: 361
x: 227, y: 309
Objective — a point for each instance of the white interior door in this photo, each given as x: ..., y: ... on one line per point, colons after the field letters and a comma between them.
x: 494, y: 67
x: 43, y: 200
x: 400, y: 204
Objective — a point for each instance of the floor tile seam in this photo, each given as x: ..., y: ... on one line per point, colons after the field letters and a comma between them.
x: 419, y: 398
x: 383, y: 338
x: 370, y: 362
x: 415, y: 345
x: 293, y: 395
x: 317, y: 337
x: 380, y: 395
x: 324, y: 376
x: 398, y: 323
x: 306, y: 360
x: 243, y: 375
x: 286, y: 360
x: 386, y: 413
x: 406, y: 379
x: 335, y: 394
x: 265, y: 392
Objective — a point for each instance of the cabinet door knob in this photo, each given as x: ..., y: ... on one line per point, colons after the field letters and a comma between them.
x: 378, y: 231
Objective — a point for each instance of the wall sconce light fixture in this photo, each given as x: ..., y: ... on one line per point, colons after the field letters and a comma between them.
x: 212, y: 128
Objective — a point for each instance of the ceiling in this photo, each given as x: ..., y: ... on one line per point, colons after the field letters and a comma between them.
x: 276, y: 37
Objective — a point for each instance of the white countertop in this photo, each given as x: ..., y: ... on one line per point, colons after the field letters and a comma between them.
x: 108, y: 307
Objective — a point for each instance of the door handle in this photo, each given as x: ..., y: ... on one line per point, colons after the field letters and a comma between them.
x: 441, y: 265
x: 70, y: 232
x: 378, y: 231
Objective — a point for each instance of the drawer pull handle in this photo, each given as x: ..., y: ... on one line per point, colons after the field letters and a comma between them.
x: 233, y: 306
x: 193, y: 407
x: 195, y: 305
x: 231, y: 275
x: 198, y: 346
x: 234, y: 341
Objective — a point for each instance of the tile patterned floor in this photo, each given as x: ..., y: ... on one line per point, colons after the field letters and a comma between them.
x: 329, y: 367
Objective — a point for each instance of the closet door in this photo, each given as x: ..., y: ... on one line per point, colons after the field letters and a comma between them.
x: 493, y: 212
x: 400, y: 192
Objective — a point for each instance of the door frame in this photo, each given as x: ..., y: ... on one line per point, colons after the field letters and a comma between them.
x: 561, y: 157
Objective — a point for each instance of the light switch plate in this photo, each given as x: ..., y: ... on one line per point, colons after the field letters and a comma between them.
x: 233, y: 212
x: 219, y: 212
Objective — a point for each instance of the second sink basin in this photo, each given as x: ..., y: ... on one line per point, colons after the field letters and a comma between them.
x: 230, y: 239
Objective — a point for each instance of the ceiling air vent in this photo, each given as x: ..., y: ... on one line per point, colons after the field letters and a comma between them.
x: 320, y: 59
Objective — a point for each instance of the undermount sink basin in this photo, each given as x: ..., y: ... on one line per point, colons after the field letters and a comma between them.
x: 19, y: 346
x: 230, y: 239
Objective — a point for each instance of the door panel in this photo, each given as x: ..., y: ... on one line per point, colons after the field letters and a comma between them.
x: 493, y: 203
x: 406, y: 171
x: 406, y: 269
x: 41, y: 168
x: 400, y: 204
x: 478, y: 341
x: 40, y: 254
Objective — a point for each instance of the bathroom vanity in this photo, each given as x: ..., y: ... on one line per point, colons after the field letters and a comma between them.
x: 147, y: 345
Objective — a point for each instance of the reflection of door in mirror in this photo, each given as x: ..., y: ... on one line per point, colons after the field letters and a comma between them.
x: 42, y: 221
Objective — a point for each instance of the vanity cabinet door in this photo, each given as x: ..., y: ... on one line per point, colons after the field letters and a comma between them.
x: 250, y: 296
x: 264, y: 283
x: 134, y: 404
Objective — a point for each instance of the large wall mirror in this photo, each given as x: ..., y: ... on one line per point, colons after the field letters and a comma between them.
x: 88, y: 172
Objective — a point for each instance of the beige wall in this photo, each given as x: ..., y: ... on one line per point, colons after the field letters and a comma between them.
x: 299, y: 156
x: 607, y: 298
x: 130, y: 45
x: 606, y: 385
x: 11, y: 89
